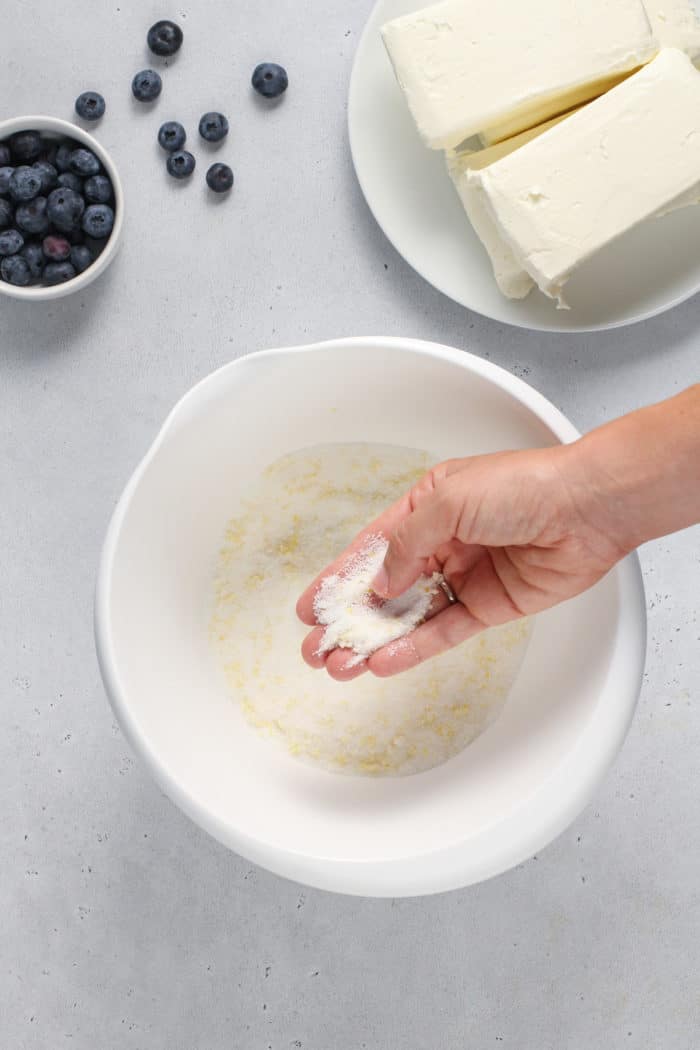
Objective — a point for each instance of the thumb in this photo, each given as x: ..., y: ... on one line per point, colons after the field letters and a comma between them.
x: 433, y: 523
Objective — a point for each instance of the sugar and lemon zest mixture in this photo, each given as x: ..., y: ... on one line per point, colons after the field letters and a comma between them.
x: 304, y: 510
x: 354, y: 618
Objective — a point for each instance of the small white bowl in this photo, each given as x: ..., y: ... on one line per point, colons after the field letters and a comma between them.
x: 53, y: 127
x: 498, y: 802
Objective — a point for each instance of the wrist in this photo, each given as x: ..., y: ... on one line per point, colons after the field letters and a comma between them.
x: 638, y: 477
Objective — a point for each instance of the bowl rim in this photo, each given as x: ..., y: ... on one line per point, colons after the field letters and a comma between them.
x: 539, y: 818
x: 44, y: 123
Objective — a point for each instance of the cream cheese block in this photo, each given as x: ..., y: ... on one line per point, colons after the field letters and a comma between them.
x: 675, y: 24
x: 511, y: 278
x: 629, y: 155
x: 495, y: 67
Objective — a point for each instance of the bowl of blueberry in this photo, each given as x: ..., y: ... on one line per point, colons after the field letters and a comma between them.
x: 61, y: 208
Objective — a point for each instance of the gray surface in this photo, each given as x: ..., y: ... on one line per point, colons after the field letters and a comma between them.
x: 123, y: 925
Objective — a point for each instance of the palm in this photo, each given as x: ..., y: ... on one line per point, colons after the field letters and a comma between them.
x: 508, y: 550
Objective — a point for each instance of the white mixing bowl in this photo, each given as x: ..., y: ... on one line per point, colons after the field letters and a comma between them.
x: 506, y: 796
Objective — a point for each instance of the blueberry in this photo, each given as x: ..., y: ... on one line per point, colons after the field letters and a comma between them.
x: 25, y: 183
x: 219, y: 178
x: 34, y: 258
x: 164, y: 38
x: 90, y: 105
x: 270, y: 80
x: 62, y: 159
x: 58, y: 272
x: 49, y: 152
x: 213, y: 127
x: 146, y: 85
x: 81, y: 257
x: 55, y: 248
x: 31, y: 217
x: 98, y: 220
x: 84, y: 162
x: 4, y: 156
x: 98, y: 189
x: 5, y: 176
x: 6, y: 212
x: 10, y: 242
x: 70, y: 181
x: 180, y: 164
x: 49, y: 175
x: 25, y: 146
x: 65, y: 209
x: 171, y: 135
x: 15, y: 270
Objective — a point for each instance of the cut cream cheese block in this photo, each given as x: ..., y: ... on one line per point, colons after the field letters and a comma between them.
x: 565, y: 195
x: 675, y: 24
x: 511, y: 278
x: 495, y: 67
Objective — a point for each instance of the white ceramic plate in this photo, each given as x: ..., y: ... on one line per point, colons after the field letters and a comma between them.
x: 650, y: 270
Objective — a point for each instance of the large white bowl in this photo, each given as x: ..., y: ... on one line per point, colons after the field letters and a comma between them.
x: 54, y: 128
x: 502, y: 799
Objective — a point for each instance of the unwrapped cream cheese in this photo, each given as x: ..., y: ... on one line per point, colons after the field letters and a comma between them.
x: 495, y: 68
x: 565, y: 195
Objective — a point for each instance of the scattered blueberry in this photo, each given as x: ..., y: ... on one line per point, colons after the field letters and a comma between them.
x: 270, y: 80
x: 25, y: 146
x: 31, y: 216
x: 98, y: 189
x: 6, y: 212
x: 5, y: 176
x: 34, y: 257
x: 49, y: 175
x: 10, y: 242
x: 4, y: 156
x: 219, y: 178
x: 90, y: 105
x: 213, y: 127
x: 58, y: 272
x: 84, y: 162
x: 180, y: 164
x: 62, y: 158
x: 25, y: 183
x: 171, y: 135
x: 146, y: 85
x: 65, y: 209
x: 164, y: 38
x: 55, y: 248
x: 98, y: 220
x: 80, y: 257
x: 70, y: 181
x: 15, y: 270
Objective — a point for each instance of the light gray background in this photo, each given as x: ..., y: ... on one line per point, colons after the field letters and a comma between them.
x: 122, y: 924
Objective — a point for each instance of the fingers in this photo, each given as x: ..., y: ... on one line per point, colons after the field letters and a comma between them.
x: 383, y: 525
x: 450, y: 628
x: 340, y: 664
x: 431, y: 525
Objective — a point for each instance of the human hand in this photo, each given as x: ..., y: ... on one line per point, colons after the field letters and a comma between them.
x: 513, y: 533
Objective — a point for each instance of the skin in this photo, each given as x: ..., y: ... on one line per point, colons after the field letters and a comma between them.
x: 515, y: 533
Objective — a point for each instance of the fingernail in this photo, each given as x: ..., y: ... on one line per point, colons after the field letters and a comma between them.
x: 380, y: 584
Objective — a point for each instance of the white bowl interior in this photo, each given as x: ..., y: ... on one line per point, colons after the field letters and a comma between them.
x: 163, y: 550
